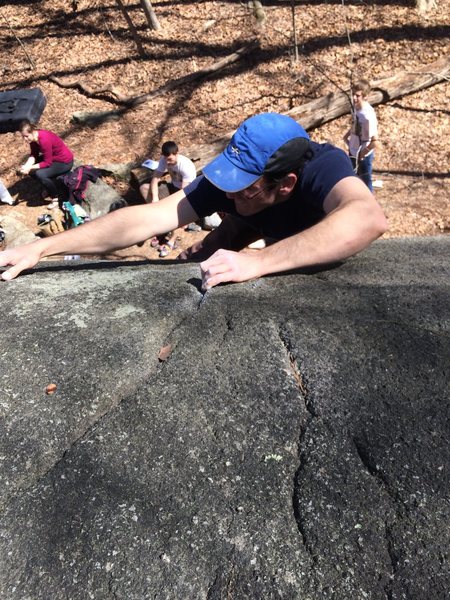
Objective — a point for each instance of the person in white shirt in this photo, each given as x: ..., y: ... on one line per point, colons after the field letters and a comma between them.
x: 180, y: 168
x: 362, y: 137
x: 182, y: 171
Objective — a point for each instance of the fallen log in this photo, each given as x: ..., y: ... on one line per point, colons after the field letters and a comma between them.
x: 329, y: 107
x: 315, y: 113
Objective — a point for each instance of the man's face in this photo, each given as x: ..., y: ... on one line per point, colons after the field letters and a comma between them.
x: 255, y: 198
x: 171, y: 159
x: 358, y: 98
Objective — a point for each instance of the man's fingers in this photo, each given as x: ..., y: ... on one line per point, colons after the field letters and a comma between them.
x: 209, y: 282
x: 226, y: 265
x: 215, y: 270
x: 12, y: 272
x: 6, y: 276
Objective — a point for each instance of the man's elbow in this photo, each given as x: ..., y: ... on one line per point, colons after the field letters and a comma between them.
x: 379, y: 223
x: 372, y: 226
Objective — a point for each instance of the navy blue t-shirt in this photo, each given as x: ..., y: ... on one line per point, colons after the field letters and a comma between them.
x: 303, y: 209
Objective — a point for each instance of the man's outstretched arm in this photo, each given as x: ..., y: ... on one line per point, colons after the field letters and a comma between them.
x: 119, y: 229
x: 354, y: 219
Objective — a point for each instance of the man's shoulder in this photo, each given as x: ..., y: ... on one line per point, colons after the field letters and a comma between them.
x: 323, y: 153
x: 327, y: 166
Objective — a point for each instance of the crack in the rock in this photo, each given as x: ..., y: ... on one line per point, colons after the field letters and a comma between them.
x: 219, y: 586
x: 299, y: 380
x: 112, y: 589
x: 394, y: 561
x: 304, y: 393
x: 300, y: 521
x: 229, y: 324
x: 374, y: 470
x: 204, y: 294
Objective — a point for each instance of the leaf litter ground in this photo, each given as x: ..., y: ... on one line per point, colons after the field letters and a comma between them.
x: 93, y: 46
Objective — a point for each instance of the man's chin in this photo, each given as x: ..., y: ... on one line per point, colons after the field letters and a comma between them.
x: 247, y: 211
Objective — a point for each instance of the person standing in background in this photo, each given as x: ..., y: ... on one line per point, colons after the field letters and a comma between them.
x: 362, y: 137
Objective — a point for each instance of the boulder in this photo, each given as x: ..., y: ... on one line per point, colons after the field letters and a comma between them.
x: 280, y: 439
x: 100, y: 197
x: 16, y: 233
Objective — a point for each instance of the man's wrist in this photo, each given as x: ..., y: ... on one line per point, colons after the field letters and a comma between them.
x: 261, y: 263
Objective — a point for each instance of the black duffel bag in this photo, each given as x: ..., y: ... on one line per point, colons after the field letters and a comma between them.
x: 17, y: 105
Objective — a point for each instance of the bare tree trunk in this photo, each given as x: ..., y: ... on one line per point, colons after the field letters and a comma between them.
x: 131, y: 27
x: 150, y: 15
x: 294, y: 30
x: 30, y: 60
x: 259, y: 12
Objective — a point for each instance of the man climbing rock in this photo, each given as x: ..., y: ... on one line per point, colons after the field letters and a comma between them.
x: 271, y: 181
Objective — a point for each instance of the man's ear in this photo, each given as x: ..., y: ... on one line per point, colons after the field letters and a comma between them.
x: 287, y: 184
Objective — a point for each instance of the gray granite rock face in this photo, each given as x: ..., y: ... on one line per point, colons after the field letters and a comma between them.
x: 292, y: 445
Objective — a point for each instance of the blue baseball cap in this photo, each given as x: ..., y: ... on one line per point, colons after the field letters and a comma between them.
x: 247, y: 156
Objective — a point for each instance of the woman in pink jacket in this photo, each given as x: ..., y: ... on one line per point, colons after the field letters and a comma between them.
x: 49, y: 158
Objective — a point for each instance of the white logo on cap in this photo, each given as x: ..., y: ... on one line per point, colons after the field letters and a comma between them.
x: 235, y: 150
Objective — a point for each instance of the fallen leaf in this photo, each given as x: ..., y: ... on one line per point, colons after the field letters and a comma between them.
x: 165, y: 352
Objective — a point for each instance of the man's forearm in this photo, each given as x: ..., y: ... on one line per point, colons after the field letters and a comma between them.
x: 340, y: 235
x: 118, y: 229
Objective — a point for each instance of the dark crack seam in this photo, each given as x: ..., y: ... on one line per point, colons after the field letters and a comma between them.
x: 375, y: 472
x: 304, y: 394
x: 214, y: 589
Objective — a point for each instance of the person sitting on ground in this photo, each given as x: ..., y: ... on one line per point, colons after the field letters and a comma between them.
x: 49, y: 158
x: 362, y: 137
x: 272, y: 181
x: 5, y: 196
x: 182, y: 171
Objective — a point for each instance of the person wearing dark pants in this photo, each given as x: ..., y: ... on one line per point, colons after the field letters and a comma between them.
x: 49, y: 158
x: 47, y: 177
x: 362, y: 137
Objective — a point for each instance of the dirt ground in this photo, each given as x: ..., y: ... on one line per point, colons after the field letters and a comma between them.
x: 92, y: 46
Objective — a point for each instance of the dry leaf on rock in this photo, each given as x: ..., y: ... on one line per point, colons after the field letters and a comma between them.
x: 165, y: 352
x: 50, y: 389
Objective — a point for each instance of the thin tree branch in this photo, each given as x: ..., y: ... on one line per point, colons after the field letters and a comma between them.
x: 131, y: 27
x: 350, y: 97
x: 131, y: 101
x: 30, y: 60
